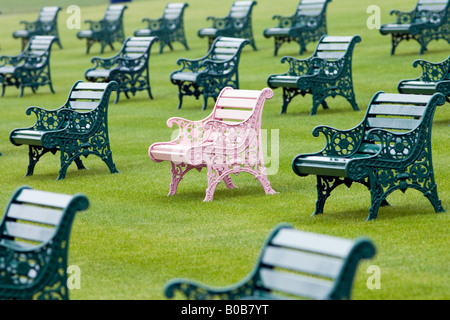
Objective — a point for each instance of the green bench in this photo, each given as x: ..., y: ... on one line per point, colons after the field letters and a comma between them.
x: 78, y: 128
x: 237, y: 24
x: 105, y: 31
x: 169, y: 28
x: 129, y: 67
x: 428, y: 21
x: 34, y: 244
x: 307, y: 24
x: 389, y: 150
x: 30, y: 68
x: 327, y: 73
x: 435, y: 77
x: 211, y: 73
x: 292, y: 265
x: 45, y: 25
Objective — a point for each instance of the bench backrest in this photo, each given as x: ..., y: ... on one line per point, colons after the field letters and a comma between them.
x: 88, y: 96
x: 114, y: 13
x: 335, y: 47
x: 233, y: 105
x: 432, y: 5
x: 34, y: 217
x: 399, y: 113
x: 297, y: 264
x: 311, y: 7
x: 137, y: 47
x: 48, y: 14
x: 40, y: 46
x: 241, y: 9
x: 174, y: 11
x: 226, y: 48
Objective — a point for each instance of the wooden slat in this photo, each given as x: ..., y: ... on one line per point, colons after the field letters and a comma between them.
x: 330, y: 55
x: 400, y: 110
x: 305, y: 262
x: 91, y: 86
x: 28, y: 232
x: 44, y: 198
x: 403, y: 98
x: 35, y: 214
x: 248, y: 103
x: 336, y: 39
x: 308, y: 241
x: 242, y: 93
x: 83, y: 105
x: 232, y: 114
x: 392, y: 123
x: 295, y: 284
x: 333, y: 46
x: 85, y: 94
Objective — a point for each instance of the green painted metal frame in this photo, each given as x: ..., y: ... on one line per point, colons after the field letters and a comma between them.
x: 420, y: 24
x: 169, y: 28
x: 382, y: 160
x: 129, y: 67
x: 435, y: 77
x: 252, y: 286
x: 234, y: 25
x: 45, y: 25
x: 211, y: 73
x: 72, y: 133
x: 320, y: 77
x: 301, y: 27
x: 106, y: 31
x: 38, y: 271
x: 30, y: 68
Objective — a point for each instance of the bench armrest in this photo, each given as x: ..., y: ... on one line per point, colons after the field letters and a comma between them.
x: 30, y: 25
x: 220, y: 23
x: 45, y: 119
x: 284, y: 21
x: 155, y: 24
x: 403, y: 17
x: 189, y: 131
x: 341, y: 143
x: 193, y: 65
x: 328, y: 68
x: 95, y: 25
x: 394, y: 146
x: 297, y: 67
x: 196, y: 291
x: 432, y: 72
x: 105, y: 63
x: 11, y: 60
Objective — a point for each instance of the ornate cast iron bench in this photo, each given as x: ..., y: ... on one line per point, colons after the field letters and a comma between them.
x: 209, y: 74
x: 45, y: 25
x: 306, y: 25
x: 169, y: 28
x: 227, y: 141
x: 78, y: 128
x: 237, y: 24
x: 105, y: 31
x: 435, y: 77
x: 328, y: 72
x: 34, y: 244
x: 292, y: 264
x: 429, y: 20
x: 129, y: 67
x: 30, y: 68
x: 389, y: 150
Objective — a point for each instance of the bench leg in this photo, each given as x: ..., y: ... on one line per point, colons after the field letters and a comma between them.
x: 432, y: 196
x: 177, y: 172
x: 180, y: 99
x: 34, y: 154
x: 325, y: 185
x: 229, y: 183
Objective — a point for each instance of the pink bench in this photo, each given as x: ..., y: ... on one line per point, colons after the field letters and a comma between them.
x: 227, y: 141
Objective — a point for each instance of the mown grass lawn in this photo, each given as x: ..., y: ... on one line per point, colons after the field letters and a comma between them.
x: 133, y: 238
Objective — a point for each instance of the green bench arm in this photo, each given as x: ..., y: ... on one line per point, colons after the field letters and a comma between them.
x: 155, y: 24
x: 284, y: 21
x: 220, y: 23
x: 432, y: 72
x: 196, y: 291
x: 95, y: 25
x: 105, y: 63
x: 11, y: 60
x: 45, y: 119
x: 218, y: 67
x: 340, y: 143
x: 193, y: 65
x: 403, y: 17
x: 297, y: 67
x: 30, y: 25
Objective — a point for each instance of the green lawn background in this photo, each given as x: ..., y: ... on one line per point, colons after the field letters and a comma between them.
x: 134, y: 238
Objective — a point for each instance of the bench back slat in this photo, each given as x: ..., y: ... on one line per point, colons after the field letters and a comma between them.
x: 333, y: 47
x: 235, y: 105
